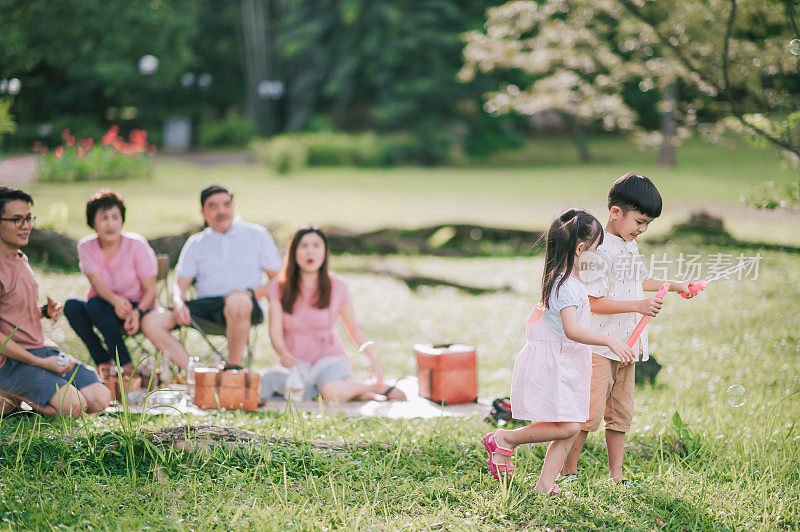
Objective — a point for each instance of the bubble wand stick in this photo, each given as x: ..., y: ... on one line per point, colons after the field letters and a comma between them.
x: 642, y: 322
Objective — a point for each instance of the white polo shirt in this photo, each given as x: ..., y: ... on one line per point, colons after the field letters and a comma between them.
x: 223, y: 262
x: 617, y: 272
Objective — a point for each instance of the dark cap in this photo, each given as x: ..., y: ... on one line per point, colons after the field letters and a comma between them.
x: 210, y: 190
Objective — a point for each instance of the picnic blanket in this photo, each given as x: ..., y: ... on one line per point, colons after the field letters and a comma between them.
x: 172, y: 399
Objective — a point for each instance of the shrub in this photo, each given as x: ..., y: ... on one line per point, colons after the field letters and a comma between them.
x: 7, y: 124
x: 235, y: 131
x: 281, y: 153
x: 82, y: 160
x: 289, y: 152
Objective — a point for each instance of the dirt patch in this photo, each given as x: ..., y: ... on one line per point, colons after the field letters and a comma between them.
x: 18, y: 170
x: 203, y: 438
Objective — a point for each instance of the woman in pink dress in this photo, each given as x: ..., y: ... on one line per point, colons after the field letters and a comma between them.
x: 305, y: 303
x: 121, y: 268
x: 550, y: 383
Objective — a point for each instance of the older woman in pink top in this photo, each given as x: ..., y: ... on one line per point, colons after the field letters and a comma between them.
x: 305, y: 303
x: 121, y: 268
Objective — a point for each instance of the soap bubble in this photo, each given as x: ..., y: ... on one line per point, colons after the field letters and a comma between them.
x: 737, y: 395
x: 794, y: 47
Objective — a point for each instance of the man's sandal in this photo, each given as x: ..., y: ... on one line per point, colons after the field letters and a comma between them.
x: 497, y: 469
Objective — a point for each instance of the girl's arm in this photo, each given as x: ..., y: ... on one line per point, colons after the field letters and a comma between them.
x: 121, y: 305
x: 287, y: 359
x: 576, y: 333
x: 357, y: 336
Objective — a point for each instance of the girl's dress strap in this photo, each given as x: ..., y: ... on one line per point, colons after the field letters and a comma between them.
x: 536, y: 313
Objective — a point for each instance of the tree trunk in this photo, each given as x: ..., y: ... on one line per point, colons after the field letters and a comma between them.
x: 667, y: 156
x: 578, y: 136
x: 255, y: 25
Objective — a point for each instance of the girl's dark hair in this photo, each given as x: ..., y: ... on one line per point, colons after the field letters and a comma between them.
x: 570, y: 228
x: 103, y: 199
x: 290, y: 274
x: 635, y: 192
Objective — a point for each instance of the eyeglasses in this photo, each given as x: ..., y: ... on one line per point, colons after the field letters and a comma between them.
x: 19, y: 221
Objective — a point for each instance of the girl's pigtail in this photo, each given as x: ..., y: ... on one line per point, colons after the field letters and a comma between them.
x: 571, y: 228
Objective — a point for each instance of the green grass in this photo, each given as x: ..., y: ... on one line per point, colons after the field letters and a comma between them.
x: 729, y: 468
x: 711, y: 467
x: 525, y: 189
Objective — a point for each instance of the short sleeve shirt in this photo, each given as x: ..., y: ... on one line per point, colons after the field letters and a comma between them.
x: 123, y: 274
x: 223, y: 262
x: 571, y: 294
x: 309, y: 332
x: 617, y: 272
x: 19, y: 304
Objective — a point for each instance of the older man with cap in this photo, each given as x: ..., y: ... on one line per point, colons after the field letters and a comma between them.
x: 226, y: 261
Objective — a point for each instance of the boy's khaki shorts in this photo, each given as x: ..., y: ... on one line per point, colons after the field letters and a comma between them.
x: 610, y: 395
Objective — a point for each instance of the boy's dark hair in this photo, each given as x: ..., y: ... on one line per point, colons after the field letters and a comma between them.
x: 8, y: 194
x: 102, y: 200
x: 572, y: 227
x: 635, y: 192
x: 210, y: 190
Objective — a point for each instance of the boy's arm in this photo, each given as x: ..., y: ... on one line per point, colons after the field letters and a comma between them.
x: 651, y: 284
x: 604, y: 305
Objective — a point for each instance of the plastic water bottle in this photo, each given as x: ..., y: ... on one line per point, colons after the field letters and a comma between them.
x: 295, y: 387
x: 194, y: 362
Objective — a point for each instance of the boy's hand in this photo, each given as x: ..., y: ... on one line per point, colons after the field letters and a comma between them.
x: 681, y: 286
x: 649, y: 307
x: 621, y: 349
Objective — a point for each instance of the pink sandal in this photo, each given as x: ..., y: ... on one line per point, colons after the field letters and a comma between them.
x: 491, y: 445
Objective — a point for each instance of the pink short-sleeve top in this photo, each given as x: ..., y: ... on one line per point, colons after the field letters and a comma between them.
x: 309, y: 332
x: 123, y: 274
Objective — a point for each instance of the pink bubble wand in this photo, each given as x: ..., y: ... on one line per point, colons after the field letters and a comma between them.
x: 694, y: 288
x: 642, y: 322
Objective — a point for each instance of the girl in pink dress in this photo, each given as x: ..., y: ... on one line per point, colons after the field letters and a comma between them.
x: 305, y: 303
x: 550, y: 383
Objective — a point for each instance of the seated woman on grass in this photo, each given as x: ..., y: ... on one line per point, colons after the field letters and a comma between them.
x: 121, y: 268
x: 305, y: 303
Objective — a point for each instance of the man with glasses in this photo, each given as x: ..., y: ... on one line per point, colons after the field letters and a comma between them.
x: 32, y: 368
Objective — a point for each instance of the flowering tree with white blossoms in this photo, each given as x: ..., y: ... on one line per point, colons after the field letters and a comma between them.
x: 735, y: 61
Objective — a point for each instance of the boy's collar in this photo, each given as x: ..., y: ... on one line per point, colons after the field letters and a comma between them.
x: 620, y: 240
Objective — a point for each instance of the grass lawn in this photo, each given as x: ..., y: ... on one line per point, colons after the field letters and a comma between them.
x: 727, y: 468
x: 698, y: 462
x: 524, y: 188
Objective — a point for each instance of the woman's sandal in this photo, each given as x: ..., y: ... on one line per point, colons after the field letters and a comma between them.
x: 491, y: 445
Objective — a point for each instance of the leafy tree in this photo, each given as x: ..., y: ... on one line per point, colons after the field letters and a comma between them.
x: 80, y: 57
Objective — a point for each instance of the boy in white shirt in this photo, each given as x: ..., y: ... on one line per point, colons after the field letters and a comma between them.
x: 616, y: 280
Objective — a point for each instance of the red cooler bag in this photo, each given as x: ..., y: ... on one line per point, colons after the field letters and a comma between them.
x: 447, y: 372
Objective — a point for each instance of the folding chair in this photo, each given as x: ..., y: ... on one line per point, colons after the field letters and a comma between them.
x: 137, y: 341
x: 208, y: 328
x: 162, y: 296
